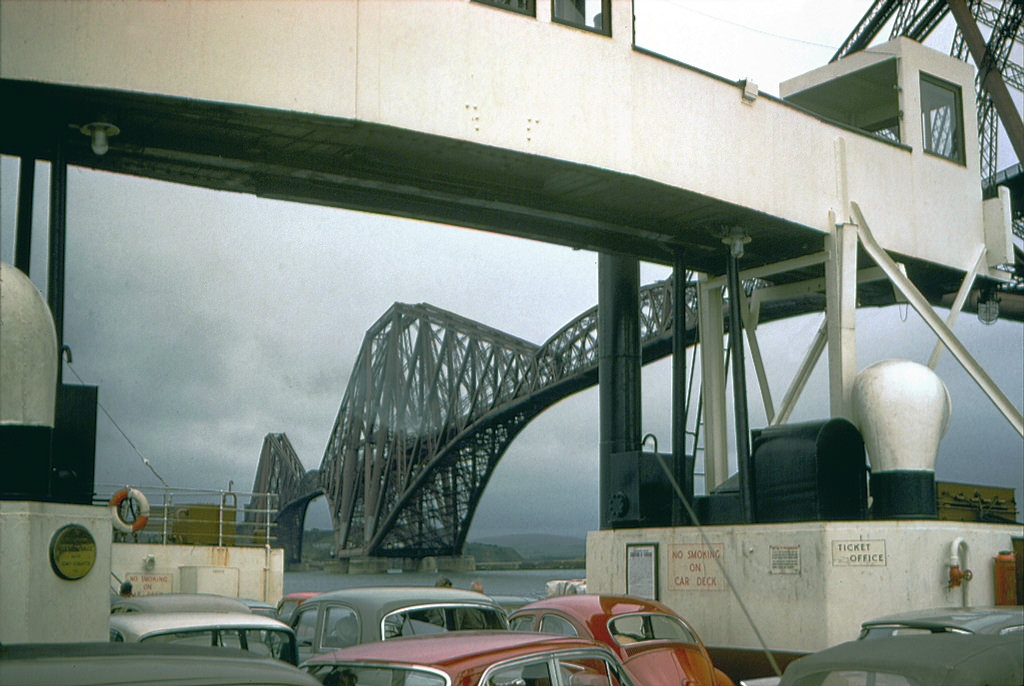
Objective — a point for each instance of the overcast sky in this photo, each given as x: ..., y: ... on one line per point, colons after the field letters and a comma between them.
x: 210, y: 319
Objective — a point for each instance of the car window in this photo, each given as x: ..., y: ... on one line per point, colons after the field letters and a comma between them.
x: 265, y: 642
x: 522, y: 674
x: 285, y: 609
x: 231, y: 638
x: 474, y: 618
x: 649, y: 627
x: 521, y: 623
x: 196, y: 638
x: 357, y: 675
x: 553, y: 624
x: 589, y: 671
x: 341, y: 628
x: 305, y: 629
x: 433, y: 620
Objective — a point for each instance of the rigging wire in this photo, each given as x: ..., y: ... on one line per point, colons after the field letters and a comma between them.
x: 707, y: 542
x: 687, y: 8
x: 119, y: 429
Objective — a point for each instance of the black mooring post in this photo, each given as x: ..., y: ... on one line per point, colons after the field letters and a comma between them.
x: 683, y: 468
x: 58, y: 234
x: 26, y: 194
x: 739, y: 388
x: 618, y: 345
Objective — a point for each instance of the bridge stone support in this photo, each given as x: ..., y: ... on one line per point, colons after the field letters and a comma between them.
x: 290, y: 524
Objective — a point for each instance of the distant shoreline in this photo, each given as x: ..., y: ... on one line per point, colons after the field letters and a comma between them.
x: 331, y: 566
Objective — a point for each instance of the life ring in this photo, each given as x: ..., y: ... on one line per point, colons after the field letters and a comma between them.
x: 140, y: 506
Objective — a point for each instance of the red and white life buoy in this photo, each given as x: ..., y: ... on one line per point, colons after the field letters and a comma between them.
x: 138, y: 505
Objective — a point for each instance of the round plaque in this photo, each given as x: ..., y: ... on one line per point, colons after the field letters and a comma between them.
x: 72, y: 552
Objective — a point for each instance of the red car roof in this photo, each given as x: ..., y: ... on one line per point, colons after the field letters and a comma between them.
x: 452, y: 648
x: 589, y: 605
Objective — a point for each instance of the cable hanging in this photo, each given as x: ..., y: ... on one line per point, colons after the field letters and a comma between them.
x: 67, y: 361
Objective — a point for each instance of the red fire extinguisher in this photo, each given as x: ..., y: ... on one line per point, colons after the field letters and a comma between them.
x: 1006, y: 578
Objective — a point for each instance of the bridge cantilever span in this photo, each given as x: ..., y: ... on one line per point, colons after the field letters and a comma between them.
x: 432, y: 405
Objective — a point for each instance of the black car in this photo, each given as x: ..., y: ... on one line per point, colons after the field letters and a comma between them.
x: 997, y: 619
x: 943, y: 659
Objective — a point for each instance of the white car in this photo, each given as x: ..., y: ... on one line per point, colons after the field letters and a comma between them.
x: 254, y: 633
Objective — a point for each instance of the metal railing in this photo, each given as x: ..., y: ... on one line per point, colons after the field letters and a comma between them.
x: 196, y: 516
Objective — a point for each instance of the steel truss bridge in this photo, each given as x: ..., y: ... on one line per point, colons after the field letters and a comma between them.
x: 432, y: 404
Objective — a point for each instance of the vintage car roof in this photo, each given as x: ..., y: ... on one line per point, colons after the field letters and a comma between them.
x: 976, y: 620
x: 178, y: 602
x: 387, y: 598
x: 591, y: 605
x: 454, y: 648
x: 136, y: 625
x: 259, y: 607
x: 299, y: 595
x: 138, y: 664
x: 934, y: 659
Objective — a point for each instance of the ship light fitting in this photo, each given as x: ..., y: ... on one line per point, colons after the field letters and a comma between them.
x: 100, y: 132
x: 736, y: 239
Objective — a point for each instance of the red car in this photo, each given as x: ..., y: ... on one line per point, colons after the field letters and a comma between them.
x: 472, y: 658
x: 655, y: 644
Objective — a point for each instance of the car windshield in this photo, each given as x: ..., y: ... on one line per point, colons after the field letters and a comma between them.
x: 629, y: 629
x: 358, y: 675
x: 442, y: 618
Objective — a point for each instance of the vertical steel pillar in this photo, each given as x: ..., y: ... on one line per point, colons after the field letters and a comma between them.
x: 683, y: 466
x: 739, y: 387
x: 26, y: 195
x: 618, y: 331
x: 712, y: 370
x: 841, y: 316
x: 58, y: 235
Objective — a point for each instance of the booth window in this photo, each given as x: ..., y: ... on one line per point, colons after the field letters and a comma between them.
x: 528, y: 7
x: 593, y: 15
x: 889, y: 129
x: 942, y: 119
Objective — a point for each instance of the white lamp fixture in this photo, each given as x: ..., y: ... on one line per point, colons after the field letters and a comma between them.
x: 100, y: 133
x: 988, y: 306
x: 902, y: 409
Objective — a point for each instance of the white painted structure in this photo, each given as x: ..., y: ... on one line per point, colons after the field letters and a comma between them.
x: 432, y: 67
x: 809, y: 585
x: 392, y: 63
x: 35, y: 603
x: 806, y: 585
x: 239, y: 572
